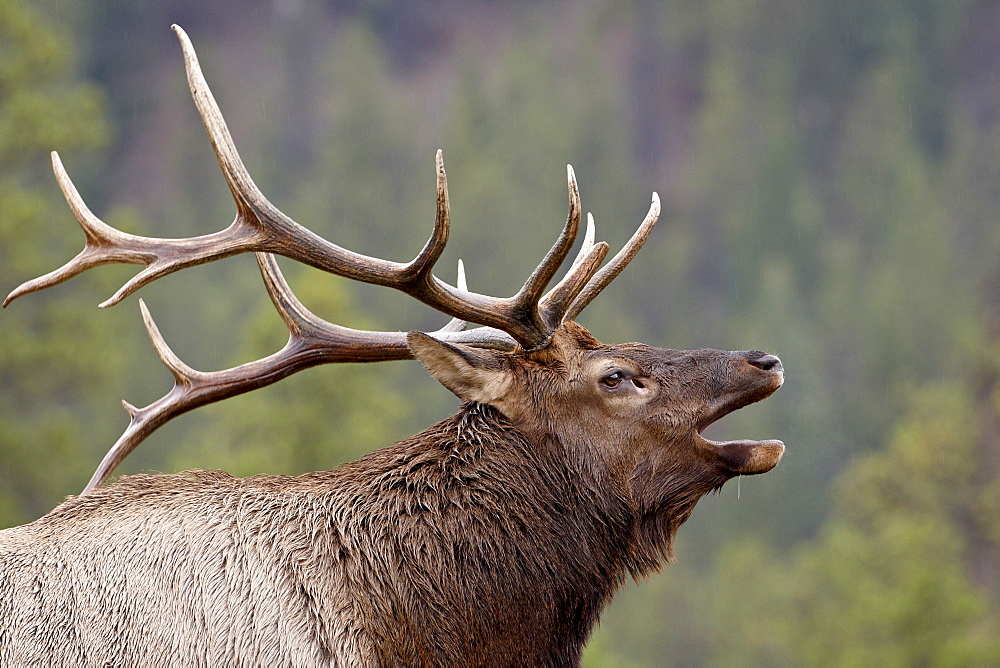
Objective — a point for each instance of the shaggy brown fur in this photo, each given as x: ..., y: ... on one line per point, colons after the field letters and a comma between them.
x: 494, y: 537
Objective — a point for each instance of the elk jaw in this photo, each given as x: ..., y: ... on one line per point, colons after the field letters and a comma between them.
x: 760, y: 375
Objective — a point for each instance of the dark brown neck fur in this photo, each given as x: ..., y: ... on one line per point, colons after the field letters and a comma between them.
x: 516, y: 542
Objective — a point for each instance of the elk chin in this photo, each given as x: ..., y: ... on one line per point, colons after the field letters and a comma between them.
x: 744, y: 457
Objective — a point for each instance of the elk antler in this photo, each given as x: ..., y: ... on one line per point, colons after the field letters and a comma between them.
x: 527, y: 319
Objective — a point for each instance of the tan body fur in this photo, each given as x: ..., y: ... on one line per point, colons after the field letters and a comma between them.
x: 485, y: 540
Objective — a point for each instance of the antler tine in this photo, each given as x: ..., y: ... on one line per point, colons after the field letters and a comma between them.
x: 458, y: 324
x: 530, y: 295
x: 246, y: 193
x: 423, y: 264
x: 554, y: 304
x: 585, y: 248
x: 557, y: 302
x: 104, y: 244
x: 588, y: 240
x: 611, y: 270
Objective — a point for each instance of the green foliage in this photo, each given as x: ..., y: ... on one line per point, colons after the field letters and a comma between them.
x: 829, y: 173
x: 39, y: 104
x: 891, y: 580
x: 48, y: 351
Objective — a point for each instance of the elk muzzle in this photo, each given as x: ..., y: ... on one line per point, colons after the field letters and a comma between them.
x: 753, y: 376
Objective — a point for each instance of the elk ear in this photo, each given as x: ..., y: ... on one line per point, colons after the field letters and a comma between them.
x: 472, y: 374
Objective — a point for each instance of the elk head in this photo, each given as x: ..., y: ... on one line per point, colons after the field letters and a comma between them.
x: 631, y: 415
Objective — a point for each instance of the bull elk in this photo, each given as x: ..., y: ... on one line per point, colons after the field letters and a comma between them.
x: 493, y: 537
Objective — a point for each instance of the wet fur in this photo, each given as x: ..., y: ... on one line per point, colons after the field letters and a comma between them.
x: 488, y: 539
x: 463, y: 545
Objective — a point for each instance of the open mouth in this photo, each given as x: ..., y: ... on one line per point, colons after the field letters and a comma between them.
x: 744, y: 456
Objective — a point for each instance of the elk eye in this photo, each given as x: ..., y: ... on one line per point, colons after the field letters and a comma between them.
x: 614, y: 380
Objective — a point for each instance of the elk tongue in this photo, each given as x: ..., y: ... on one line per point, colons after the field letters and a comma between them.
x: 748, y: 457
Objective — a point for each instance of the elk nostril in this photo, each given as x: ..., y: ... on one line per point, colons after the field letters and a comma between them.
x: 767, y: 363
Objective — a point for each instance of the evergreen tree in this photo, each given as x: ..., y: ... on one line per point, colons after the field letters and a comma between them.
x: 895, y: 577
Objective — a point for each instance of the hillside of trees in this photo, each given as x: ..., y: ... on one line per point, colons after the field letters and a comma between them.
x: 830, y: 174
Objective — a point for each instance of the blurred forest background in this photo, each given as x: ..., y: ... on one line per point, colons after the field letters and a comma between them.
x: 830, y: 173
